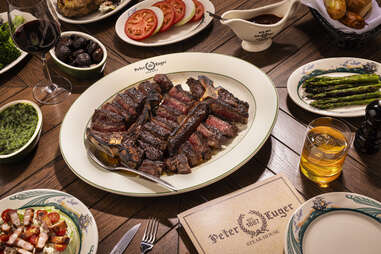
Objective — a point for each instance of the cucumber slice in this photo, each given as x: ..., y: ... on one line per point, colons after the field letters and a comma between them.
x: 160, y: 18
x: 190, y: 11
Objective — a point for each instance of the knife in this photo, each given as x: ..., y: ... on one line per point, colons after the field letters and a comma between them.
x: 125, y: 240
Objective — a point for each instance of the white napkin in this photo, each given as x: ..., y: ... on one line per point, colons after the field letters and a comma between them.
x: 373, y: 19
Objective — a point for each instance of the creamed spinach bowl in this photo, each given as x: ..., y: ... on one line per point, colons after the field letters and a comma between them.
x: 20, y: 129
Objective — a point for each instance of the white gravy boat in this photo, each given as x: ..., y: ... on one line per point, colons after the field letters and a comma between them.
x: 257, y: 37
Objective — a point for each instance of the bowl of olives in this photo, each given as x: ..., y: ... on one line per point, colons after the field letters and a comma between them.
x: 80, y: 55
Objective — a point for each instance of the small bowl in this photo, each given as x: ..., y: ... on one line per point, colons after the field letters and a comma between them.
x: 28, y: 147
x: 81, y: 72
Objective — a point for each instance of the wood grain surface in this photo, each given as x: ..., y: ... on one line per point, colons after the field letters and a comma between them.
x: 302, y: 40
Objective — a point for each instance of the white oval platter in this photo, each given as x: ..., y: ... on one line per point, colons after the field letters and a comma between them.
x: 339, y: 66
x: 90, y: 18
x: 4, y: 17
x: 335, y: 222
x: 66, y: 203
x: 244, y: 80
x: 174, y: 34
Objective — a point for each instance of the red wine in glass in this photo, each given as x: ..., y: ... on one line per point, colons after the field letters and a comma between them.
x: 37, y: 35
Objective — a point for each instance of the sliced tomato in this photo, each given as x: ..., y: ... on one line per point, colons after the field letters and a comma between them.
x: 4, y: 238
x: 54, y: 217
x: 169, y: 14
x: 33, y: 239
x: 60, y: 247
x: 179, y: 8
x: 41, y: 213
x: 141, y: 24
x: 199, y: 11
x: 5, y: 214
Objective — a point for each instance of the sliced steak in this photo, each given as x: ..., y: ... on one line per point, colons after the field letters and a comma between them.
x: 200, y: 145
x: 154, y: 168
x: 187, y: 127
x: 157, y: 130
x: 108, y: 127
x: 126, y: 103
x: 107, y: 142
x: 165, y: 123
x: 197, y: 90
x: 146, y: 87
x: 225, y: 128
x: 169, y: 113
x: 213, y: 138
x: 136, y: 95
x: 107, y: 116
x: 178, y: 93
x: 164, y: 82
x: 130, y: 154
x: 179, y: 164
x: 176, y: 104
x: 147, y: 137
x: 193, y: 157
x: 151, y: 152
x: 113, y: 107
x: 226, y: 111
x: 229, y: 98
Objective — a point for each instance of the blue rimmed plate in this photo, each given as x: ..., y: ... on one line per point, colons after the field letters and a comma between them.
x: 336, y: 222
x: 334, y: 67
x: 83, y: 228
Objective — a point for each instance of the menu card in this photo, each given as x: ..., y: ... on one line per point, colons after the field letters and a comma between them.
x: 250, y: 220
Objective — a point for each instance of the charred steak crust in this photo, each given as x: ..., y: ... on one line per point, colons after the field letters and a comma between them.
x: 157, y: 126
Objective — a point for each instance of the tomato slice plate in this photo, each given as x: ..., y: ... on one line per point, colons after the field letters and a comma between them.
x: 169, y: 15
x: 179, y: 8
x: 141, y: 24
x: 199, y: 11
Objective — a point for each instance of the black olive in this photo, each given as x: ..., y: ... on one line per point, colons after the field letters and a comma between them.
x: 65, y: 41
x: 79, y: 43
x: 63, y: 53
x: 82, y: 60
x: 97, y: 55
x: 77, y: 52
x: 91, y: 47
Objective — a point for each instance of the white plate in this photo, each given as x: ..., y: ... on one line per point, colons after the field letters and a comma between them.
x: 90, y: 18
x: 336, y: 222
x: 174, y: 34
x: 66, y: 203
x: 244, y: 80
x: 4, y: 16
x: 340, y: 66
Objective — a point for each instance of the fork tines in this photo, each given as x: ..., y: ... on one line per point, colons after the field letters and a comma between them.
x: 151, y: 230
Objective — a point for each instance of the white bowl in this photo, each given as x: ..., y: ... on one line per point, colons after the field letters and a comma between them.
x: 32, y: 142
x: 81, y: 72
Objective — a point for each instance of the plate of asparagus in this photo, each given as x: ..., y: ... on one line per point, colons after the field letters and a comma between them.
x: 340, y: 87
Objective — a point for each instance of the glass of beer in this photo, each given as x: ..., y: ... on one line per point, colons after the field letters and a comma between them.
x: 325, y: 148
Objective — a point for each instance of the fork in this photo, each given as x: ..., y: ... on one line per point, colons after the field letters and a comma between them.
x: 149, y: 236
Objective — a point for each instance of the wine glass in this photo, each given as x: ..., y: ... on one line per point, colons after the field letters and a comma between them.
x: 39, y: 32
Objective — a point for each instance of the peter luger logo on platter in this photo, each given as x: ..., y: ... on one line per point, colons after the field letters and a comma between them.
x: 150, y: 66
x: 253, y: 223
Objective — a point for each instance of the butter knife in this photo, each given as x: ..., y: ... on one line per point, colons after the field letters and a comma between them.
x: 120, y: 247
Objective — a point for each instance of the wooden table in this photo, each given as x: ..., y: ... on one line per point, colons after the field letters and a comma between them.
x: 302, y: 40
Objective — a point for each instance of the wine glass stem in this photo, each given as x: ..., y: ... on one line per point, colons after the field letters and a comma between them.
x: 52, y: 86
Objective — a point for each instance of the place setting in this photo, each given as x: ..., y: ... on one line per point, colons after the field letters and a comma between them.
x: 147, y: 153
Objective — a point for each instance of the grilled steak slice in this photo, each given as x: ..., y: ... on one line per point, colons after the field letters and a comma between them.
x: 165, y: 123
x: 130, y: 154
x: 226, y: 111
x: 126, y: 103
x: 213, y: 138
x: 193, y: 157
x: 163, y: 81
x: 136, y: 95
x: 147, y: 137
x: 167, y: 112
x: 146, y: 87
x: 157, y: 130
x: 178, y: 163
x: 178, y: 93
x: 151, y: 152
x: 106, y: 116
x: 187, y: 127
x: 107, y: 142
x: 200, y: 146
x: 196, y: 88
x: 225, y: 128
x: 113, y: 107
x: 226, y: 96
x: 152, y: 167
x: 176, y: 104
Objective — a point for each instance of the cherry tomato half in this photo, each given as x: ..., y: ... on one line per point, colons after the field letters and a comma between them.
x: 179, y: 8
x: 60, y: 247
x: 5, y: 215
x: 141, y: 24
x: 169, y: 15
x: 54, y: 217
x: 199, y: 11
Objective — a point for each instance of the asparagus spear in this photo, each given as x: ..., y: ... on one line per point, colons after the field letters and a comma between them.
x: 348, y: 91
x: 322, y: 89
x: 355, y: 97
x: 346, y: 103
x: 361, y: 78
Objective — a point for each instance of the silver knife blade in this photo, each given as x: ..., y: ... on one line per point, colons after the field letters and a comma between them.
x: 125, y: 240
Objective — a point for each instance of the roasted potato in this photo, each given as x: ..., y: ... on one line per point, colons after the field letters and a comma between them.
x: 336, y: 8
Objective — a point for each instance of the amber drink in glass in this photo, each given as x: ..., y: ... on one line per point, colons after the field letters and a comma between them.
x: 325, y: 148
